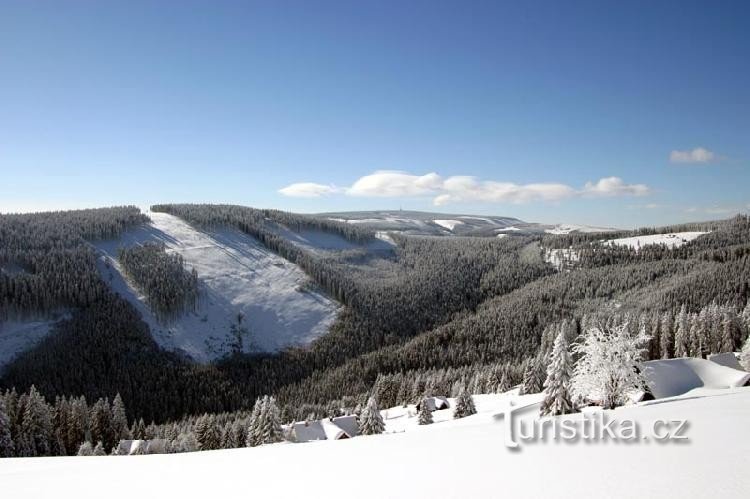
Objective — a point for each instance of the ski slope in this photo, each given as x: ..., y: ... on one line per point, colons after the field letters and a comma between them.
x: 237, y: 275
x: 464, y: 458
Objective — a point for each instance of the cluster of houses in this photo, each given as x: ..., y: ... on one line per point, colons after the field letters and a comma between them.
x: 338, y: 428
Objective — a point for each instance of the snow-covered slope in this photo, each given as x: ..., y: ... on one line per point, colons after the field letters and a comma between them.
x: 568, y: 228
x: 426, y: 223
x: 20, y: 335
x: 457, y: 459
x: 672, y: 240
x: 237, y: 275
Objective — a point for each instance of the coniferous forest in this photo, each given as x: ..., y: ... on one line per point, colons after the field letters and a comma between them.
x: 435, y: 316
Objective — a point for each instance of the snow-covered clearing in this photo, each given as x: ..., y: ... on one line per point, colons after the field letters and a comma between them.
x: 461, y: 458
x: 238, y: 275
x: 448, y: 224
x: 672, y: 240
x: 17, y: 336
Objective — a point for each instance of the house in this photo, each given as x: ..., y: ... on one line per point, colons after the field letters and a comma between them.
x: 435, y: 403
x: 307, y: 431
x: 348, y: 423
x: 325, y: 429
x: 134, y: 447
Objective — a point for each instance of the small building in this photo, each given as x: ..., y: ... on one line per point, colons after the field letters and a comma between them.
x: 135, y: 447
x: 327, y: 429
x: 348, y: 423
x: 308, y: 431
x: 434, y: 403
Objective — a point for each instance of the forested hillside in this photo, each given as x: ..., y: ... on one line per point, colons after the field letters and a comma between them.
x: 432, y: 315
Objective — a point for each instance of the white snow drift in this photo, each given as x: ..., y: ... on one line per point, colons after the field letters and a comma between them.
x: 673, y: 377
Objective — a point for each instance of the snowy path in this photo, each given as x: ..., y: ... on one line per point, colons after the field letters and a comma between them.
x: 464, y: 458
x: 238, y: 274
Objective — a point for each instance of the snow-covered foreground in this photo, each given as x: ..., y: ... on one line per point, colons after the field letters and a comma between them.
x: 672, y: 240
x: 463, y: 458
x: 237, y: 274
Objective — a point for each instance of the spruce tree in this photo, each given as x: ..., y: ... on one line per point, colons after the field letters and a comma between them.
x: 6, y: 442
x: 533, y: 379
x: 745, y: 355
x: 464, y: 405
x: 101, y: 424
x: 425, y: 414
x: 370, y: 421
x: 682, y: 336
x: 667, y: 336
x: 36, y: 425
x: 252, y: 439
x: 99, y: 449
x: 269, y: 429
x: 86, y: 449
x: 557, y: 396
x: 119, y: 419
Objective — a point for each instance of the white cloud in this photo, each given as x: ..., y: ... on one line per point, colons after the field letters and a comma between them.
x: 387, y: 183
x: 614, y: 186
x: 462, y: 188
x: 308, y: 190
x: 697, y: 155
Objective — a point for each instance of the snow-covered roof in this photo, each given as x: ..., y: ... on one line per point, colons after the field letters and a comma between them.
x: 727, y: 359
x: 435, y: 403
x: 672, y: 377
x: 333, y: 431
x: 308, y: 431
x: 348, y: 424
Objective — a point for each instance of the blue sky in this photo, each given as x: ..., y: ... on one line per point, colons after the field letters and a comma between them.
x: 547, y: 111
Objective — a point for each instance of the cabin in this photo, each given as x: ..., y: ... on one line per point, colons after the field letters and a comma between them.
x: 434, y: 403
x: 325, y: 429
x: 135, y: 447
x: 348, y: 423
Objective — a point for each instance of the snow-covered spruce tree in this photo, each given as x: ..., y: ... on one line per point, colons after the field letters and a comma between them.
x: 270, y: 423
x: 99, y: 449
x: 464, y: 405
x: 607, y: 369
x: 667, y: 336
x: 370, y: 421
x: 101, y: 423
x: 36, y: 424
x: 557, y: 397
x: 745, y: 317
x: 86, y: 449
x: 265, y: 423
x: 425, y: 414
x: 745, y: 355
x: 6, y: 442
x: 533, y: 377
x: 251, y: 440
x: 682, y: 334
x: 119, y: 420
x: 207, y: 433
